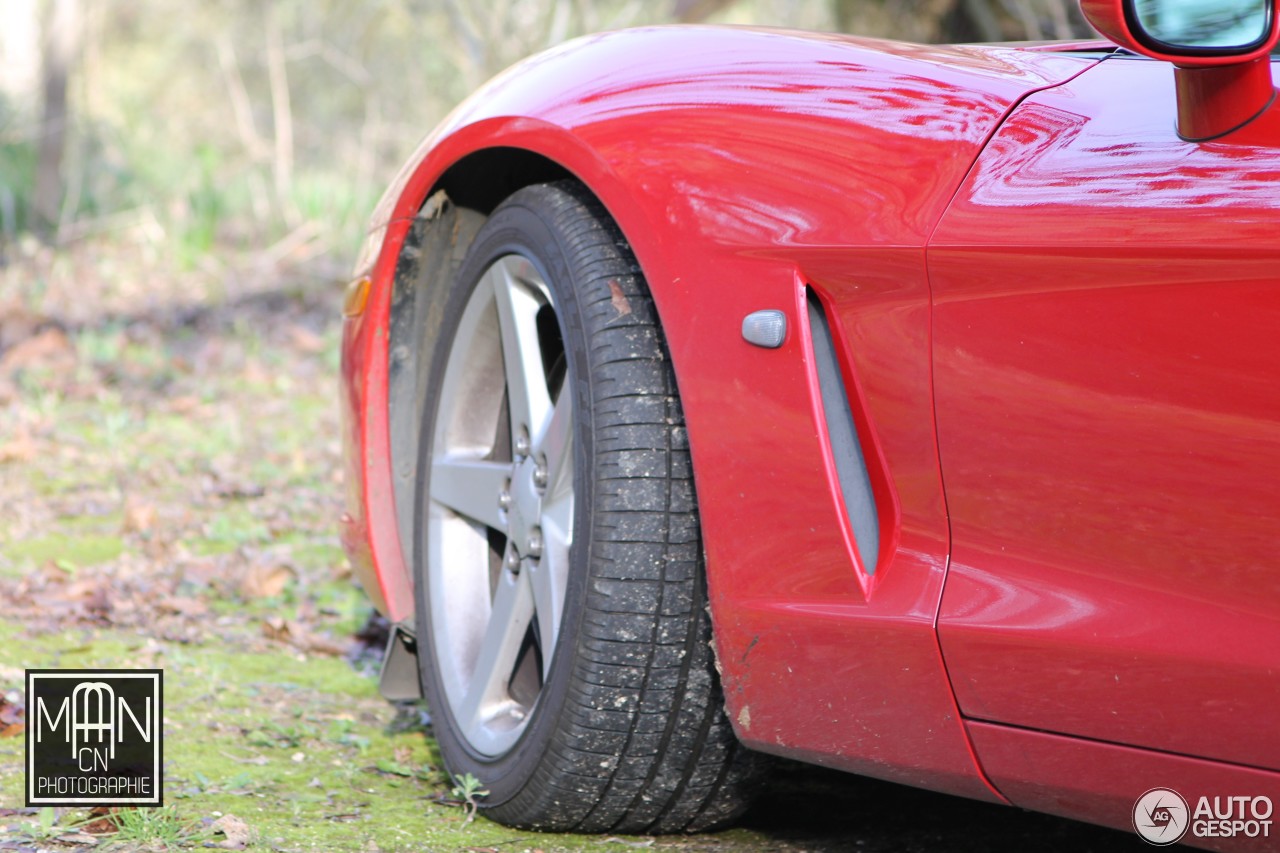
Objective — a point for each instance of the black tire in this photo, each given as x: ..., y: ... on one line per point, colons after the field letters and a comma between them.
x: 627, y: 733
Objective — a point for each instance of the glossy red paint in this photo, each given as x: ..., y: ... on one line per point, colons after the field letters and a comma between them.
x: 1106, y: 307
x: 368, y: 529
x: 1101, y: 782
x: 744, y: 167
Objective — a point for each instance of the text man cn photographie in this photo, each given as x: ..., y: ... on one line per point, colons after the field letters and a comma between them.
x: 94, y: 737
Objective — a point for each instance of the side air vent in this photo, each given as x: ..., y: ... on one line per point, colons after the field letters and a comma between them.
x: 851, y: 466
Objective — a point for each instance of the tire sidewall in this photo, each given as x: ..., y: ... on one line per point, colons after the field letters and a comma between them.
x: 515, y: 228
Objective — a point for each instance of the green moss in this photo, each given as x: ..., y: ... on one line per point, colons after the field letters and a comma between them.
x: 299, y: 747
x: 231, y: 527
x: 195, y: 439
x: 105, y: 523
x: 318, y: 555
x: 82, y: 550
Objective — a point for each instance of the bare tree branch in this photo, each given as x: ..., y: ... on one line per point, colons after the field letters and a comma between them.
x: 239, y: 96
x: 471, y: 40
x: 281, y: 118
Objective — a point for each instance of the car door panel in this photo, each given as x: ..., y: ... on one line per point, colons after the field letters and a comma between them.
x: 1105, y: 340
x: 1084, y: 779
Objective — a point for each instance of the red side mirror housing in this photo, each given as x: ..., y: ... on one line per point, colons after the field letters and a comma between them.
x: 1221, y: 88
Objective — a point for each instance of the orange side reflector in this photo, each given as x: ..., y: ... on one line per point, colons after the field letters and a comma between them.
x: 357, y: 295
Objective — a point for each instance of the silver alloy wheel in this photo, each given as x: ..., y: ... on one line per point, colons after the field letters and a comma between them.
x: 500, y: 509
x: 590, y: 637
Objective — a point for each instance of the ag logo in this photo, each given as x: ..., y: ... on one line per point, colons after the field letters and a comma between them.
x: 1161, y: 817
x: 94, y: 737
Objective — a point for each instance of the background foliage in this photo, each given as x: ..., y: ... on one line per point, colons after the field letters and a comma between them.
x: 235, y: 123
x: 182, y: 189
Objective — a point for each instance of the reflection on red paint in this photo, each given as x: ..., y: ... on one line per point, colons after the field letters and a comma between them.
x: 745, y: 166
x: 1108, y: 298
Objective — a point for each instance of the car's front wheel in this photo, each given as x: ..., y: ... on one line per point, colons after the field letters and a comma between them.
x: 562, y: 618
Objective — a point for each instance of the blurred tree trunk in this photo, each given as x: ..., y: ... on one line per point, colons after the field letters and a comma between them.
x: 962, y: 20
x: 696, y: 11
x: 912, y: 20
x: 983, y: 19
x: 846, y: 14
x: 61, y: 31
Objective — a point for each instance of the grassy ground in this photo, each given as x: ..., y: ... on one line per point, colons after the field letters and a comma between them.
x: 169, y: 490
x: 168, y: 496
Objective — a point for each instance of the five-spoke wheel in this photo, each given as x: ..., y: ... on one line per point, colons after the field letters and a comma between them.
x: 564, y: 639
x: 500, y: 515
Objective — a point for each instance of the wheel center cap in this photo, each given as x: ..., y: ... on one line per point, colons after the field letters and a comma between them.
x: 525, y: 512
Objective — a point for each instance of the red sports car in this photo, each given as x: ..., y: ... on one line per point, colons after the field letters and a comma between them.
x: 910, y: 410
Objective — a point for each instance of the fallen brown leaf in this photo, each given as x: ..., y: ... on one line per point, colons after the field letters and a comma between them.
x: 139, y: 516
x: 101, y: 823
x: 20, y: 448
x: 263, y: 580
x: 12, y: 712
x: 49, y: 347
x: 184, y: 405
x: 236, y: 831
x: 18, y: 324
x: 13, y: 729
x: 184, y: 606
x: 297, y: 635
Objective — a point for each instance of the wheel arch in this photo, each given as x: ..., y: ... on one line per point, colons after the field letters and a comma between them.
x: 475, y: 168
x: 589, y: 110
x: 480, y: 180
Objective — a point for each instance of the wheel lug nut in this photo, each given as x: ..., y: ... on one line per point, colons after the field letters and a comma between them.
x: 522, y: 443
x: 504, y: 498
x: 535, y: 542
x: 512, y: 560
x: 540, y: 475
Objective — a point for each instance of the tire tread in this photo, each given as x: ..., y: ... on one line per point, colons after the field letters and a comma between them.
x: 644, y: 708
